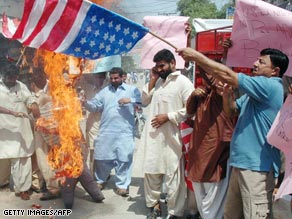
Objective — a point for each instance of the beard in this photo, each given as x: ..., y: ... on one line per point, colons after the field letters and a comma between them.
x: 164, y: 74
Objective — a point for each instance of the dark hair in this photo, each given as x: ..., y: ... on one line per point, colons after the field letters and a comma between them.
x: 118, y: 70
x: 278, y: 59
x: 9, y: 69
x: 38, y: 77
x: 164, y: 55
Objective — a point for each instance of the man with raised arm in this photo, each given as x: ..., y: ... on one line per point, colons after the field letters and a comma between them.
x: 254, y: 162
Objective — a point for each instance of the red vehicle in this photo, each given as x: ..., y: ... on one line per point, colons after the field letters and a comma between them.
x: 209, y: 43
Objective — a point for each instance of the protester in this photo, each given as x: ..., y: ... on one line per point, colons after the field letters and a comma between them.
x: 9, y: 112
x: 114, y: 144
x: 93, y: 119
x: 15, y: 130
x: 209, y: 147
x: 192, y: 208
x: 125, y: 77
x: 167, y: 93
x: 254, y: 162
x: 287, y: 84
x: 47, y: 135
x: 45, y: 138
x: 209, y: 140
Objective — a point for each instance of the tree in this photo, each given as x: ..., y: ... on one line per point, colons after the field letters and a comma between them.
x: 202, y: 9
x: 222, y: 12
x: 197, y: 8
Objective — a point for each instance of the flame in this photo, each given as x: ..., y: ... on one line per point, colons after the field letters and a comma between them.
x: 65, y: 158
x: 47, y: 125
x: 106, y: 3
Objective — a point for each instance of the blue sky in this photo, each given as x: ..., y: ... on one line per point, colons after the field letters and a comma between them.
x: 220, y: 3
x: 137, y: 9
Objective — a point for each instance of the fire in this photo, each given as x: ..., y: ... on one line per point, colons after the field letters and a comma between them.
x: 105, y: 3
x: 65, y: 158
x: 43, y: 123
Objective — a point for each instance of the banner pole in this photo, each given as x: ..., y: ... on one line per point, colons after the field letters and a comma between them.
x: 163, y: 40
x: 21, y: 55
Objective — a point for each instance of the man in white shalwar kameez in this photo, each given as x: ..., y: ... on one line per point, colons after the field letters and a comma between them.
x: 16, y: 137
x: 167, y: 93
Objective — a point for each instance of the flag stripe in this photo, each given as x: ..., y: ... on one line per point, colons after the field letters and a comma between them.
x: 69, y: 38
x: 76, y: 27
x: 53, y: 18
x: 48, y: 9
x: 63, y: 26
x: 186, y: 132
x: 28, y: 6
x: 33, y: 19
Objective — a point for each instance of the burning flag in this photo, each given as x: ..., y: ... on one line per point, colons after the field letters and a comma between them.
x: 76, y: 27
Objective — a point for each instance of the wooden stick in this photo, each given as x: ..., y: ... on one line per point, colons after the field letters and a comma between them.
x: 20, y: 57
x: 163, y: 40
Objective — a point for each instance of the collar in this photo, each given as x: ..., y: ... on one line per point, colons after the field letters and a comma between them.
x: 172, y: 75
x: 122, y: 86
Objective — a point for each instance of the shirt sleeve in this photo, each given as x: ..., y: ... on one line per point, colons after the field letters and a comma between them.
x: 95, y: 104
x: 259, y: 88
x: 240, y: 101
x: 147, y: 95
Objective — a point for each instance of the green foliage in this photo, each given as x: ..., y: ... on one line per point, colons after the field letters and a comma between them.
x: 201, y: 9
x: 197, y: 8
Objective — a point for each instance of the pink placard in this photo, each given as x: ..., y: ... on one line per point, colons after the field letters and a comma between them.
x: 170, y: 28
x: 258, y: 25
x: 280, y: 136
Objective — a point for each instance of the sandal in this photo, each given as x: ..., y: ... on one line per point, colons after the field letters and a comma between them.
x: 24, y: 195
x: 155, y: 212
x: 122, y: 192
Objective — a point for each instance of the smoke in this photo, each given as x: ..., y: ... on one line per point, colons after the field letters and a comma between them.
x: 113, y: 5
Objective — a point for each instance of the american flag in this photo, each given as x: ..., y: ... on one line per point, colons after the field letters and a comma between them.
x: 76, y: 27
x: 186, y: 133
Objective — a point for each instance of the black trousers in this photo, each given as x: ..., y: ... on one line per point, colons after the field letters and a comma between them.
x: 87, y: 181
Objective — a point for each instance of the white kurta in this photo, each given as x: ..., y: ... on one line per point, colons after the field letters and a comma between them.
x: 16, y: 137
x: 162, y: 147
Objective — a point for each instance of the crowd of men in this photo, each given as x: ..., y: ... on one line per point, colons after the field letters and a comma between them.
x: 231, y: 166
